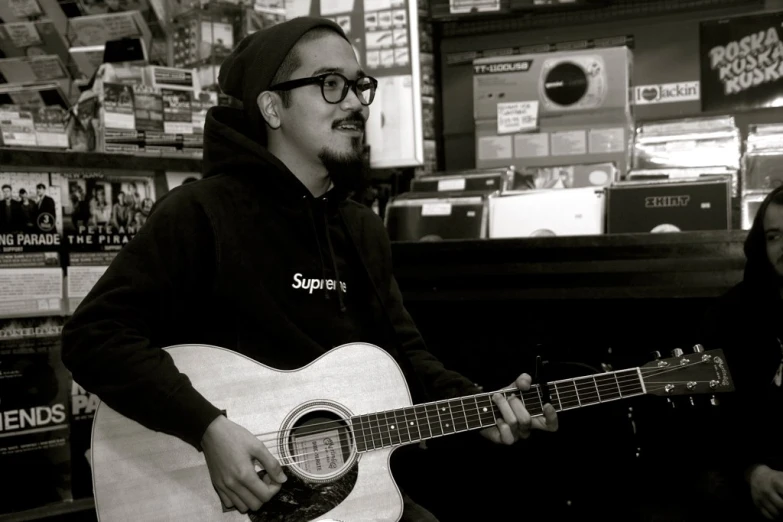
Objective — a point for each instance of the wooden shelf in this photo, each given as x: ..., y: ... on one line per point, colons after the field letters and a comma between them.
x: 42, y: 158
x: 622, y: 266
x: 51, y: 510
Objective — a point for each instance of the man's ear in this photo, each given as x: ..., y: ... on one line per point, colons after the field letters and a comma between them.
x: 269, y: 104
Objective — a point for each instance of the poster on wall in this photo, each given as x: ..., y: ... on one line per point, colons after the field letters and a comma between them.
x: 30, y: 241
x: 742, y: 62
x: 35, y: 456
x: 385, y: 38
x: 102, y: 210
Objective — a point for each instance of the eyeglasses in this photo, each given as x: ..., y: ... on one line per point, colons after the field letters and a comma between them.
x: 335, y: 86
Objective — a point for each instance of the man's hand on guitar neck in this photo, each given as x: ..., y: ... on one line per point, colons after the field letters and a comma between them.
x: 766, y: 490
x: 516, y: 422
x: 230, y: 451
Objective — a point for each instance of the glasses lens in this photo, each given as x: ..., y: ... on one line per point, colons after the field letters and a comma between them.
x: 365, y: 89
x: 333, y: 88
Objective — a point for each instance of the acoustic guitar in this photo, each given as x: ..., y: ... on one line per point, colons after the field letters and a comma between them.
x: 333, y: 425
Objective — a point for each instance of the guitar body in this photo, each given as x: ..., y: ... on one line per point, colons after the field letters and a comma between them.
x: 140, y: 474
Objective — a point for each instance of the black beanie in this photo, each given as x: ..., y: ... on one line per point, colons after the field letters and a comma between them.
x: 249, y: 69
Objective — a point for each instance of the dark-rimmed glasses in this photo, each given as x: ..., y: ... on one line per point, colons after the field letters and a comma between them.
x: 335, y: 86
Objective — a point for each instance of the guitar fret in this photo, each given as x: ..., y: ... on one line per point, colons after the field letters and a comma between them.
x: 597, y: 391
x: 444, y: 410
x: 630, y: 382
x: 537, y: 409
x: 381, y: 429
x: 402, y: 426
x: 619, y: 388
x: 568, y: 396
x: 369, y: 440
x: 557, y: 394
x: 588, y: 393
x: 392, y: 428
x: 358, y: 433
x: 607, y: 387
x: 423, y: 421
x: 412, y: 424
x: 433, y: 416
x: 457, y: 409
x: 372, y: 428
x: 486, y: 410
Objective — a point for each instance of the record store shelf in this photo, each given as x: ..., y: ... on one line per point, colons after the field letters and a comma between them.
x: 42, y: 158
x: 622, y: 266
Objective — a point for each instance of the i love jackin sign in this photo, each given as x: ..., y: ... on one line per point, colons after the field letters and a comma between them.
x: 742, y: 62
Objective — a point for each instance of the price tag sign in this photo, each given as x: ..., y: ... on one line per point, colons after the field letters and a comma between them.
x: 517, y: 117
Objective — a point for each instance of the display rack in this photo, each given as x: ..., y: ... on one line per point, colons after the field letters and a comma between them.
x: 680, y: 265
x: 41, y: 158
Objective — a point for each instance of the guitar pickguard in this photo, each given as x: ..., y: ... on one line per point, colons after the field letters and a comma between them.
x: 302, y: 501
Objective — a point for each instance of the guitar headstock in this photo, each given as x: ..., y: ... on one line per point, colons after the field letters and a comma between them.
x: 699, y: 372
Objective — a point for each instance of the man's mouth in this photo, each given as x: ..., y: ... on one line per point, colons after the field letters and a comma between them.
x: 350, y: 126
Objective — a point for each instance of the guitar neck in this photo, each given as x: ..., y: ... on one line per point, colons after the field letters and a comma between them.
x: 437, y: 419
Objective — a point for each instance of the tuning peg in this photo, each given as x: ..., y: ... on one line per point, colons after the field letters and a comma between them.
x: 655, y: 355
x: 714, y: 401
x: 677, y: 352
x: 698, y: 348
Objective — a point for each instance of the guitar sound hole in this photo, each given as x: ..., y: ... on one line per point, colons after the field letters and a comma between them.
x: 320, y: 444
x: 322, y: 469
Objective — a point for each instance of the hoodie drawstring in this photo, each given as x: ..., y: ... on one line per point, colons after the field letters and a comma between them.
x: 334, y: 264
x: 317, y: 242
x: 331, y: 254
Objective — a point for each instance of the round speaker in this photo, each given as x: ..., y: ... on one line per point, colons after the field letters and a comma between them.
x: 565, y: 84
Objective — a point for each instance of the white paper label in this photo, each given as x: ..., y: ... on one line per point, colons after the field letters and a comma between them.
x: 436, y: 209
x: 517, y: 116
x: 667, y: 93
x: 451, y: 184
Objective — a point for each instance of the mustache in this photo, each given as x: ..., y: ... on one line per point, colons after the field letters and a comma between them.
x: 357, y: 118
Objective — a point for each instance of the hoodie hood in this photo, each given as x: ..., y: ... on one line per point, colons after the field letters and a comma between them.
x: 760, y: 276
x: 231, y: 147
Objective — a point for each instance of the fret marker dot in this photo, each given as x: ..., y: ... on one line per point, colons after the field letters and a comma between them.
x: 443, y: 409
x: 392, y: 427
x: 485, y: 410
x: 447, y: 424
x: 411, y: 423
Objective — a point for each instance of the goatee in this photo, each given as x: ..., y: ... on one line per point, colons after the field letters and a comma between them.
x: 347, y: 171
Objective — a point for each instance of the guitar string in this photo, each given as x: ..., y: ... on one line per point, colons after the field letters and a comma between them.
x: 528, y: 395
x: 463, y: 417
x: 401, y: 435
x: 532, y: 394
x: 301, y: 458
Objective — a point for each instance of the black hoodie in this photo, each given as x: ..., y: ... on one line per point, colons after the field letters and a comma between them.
x: 747, y: 323
x: 230, y: 261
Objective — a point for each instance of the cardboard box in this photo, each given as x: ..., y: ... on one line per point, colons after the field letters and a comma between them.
x: 555, y: 145
x: 591, y: 84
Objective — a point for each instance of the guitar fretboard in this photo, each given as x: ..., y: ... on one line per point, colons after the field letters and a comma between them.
x: 436, y: 419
